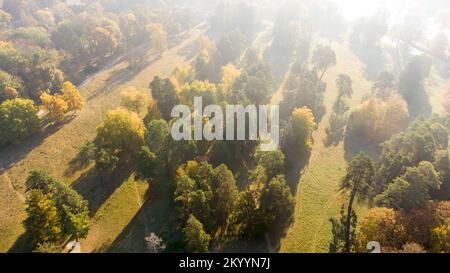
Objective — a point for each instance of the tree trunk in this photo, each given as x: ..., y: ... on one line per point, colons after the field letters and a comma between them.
x: 348, y: 222
x: 323, y: 73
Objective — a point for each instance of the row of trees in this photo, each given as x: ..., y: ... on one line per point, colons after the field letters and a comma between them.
x: 19, y: 117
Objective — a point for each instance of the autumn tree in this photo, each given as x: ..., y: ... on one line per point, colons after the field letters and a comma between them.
x: 147, y: 163
x: 55, y: 105
x: 70, y: 209
x: 122, y: 132
x: 43, y: 222
x: 303, y: 88
x: 134, y: 100
x: 338, y: 119
x: 374, y: 122
x: 72, y: 97
x: 382, y: 225
x: 254, y: 86
x: 298, y: 136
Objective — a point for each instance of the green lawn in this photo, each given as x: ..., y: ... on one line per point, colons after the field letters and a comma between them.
x: 318, y: 197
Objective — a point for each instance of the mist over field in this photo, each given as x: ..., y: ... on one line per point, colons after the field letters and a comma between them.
x: 339, y: 139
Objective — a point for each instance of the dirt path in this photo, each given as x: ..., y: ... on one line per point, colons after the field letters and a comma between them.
x: 54, y: 150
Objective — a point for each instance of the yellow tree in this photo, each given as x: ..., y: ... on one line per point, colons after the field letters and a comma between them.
x: 134, y: 100
x: 303, y: 125
x: 122, y: 132
x: 55, y: 105
x: 72, y: 97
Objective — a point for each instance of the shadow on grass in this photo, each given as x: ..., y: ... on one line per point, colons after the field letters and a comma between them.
x: 96, y: 187
x: 23, y: 244
x: 157, y: 215
x: 11, y: 155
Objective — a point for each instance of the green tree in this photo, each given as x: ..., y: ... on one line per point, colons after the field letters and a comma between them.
x: 48, y: 247
x: 303, y: 89
x: 343, y: 233
x: 224, y: 193
x: 411, y: 191
x: 272, y: 161
x: 359, y: 182
x: 72, y: 209
x: 323, y: 58
x: 106, y: 160
x: 197, y: 240
x: 147, y: 163
x: 18, y: 120
x: 278, y: 203
x: 164, y: 92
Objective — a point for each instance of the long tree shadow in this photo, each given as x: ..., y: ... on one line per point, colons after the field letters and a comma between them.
x: 12, y: 155
x: 157, y: 215
x: 96, y: 187
x: 23, y: 244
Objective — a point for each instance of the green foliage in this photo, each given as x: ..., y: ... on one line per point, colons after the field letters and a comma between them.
x: 164, y: 92
x: 407, y: 149
x: 202, y: 89
x: 147, y: 163
x: 411, y: 191
x: 342, y: 234
x: 197, y: 240
x: 278, y: 203
x: 273, y: 162
x: 43, y: 223
x: 359, y: 182
x: 254, y: 86
x: 303, y: 88
x: 18, y: 120
x: 70, y: 208
x: 323, y: 58
x: 206, y: 193
x: 106, y: 160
